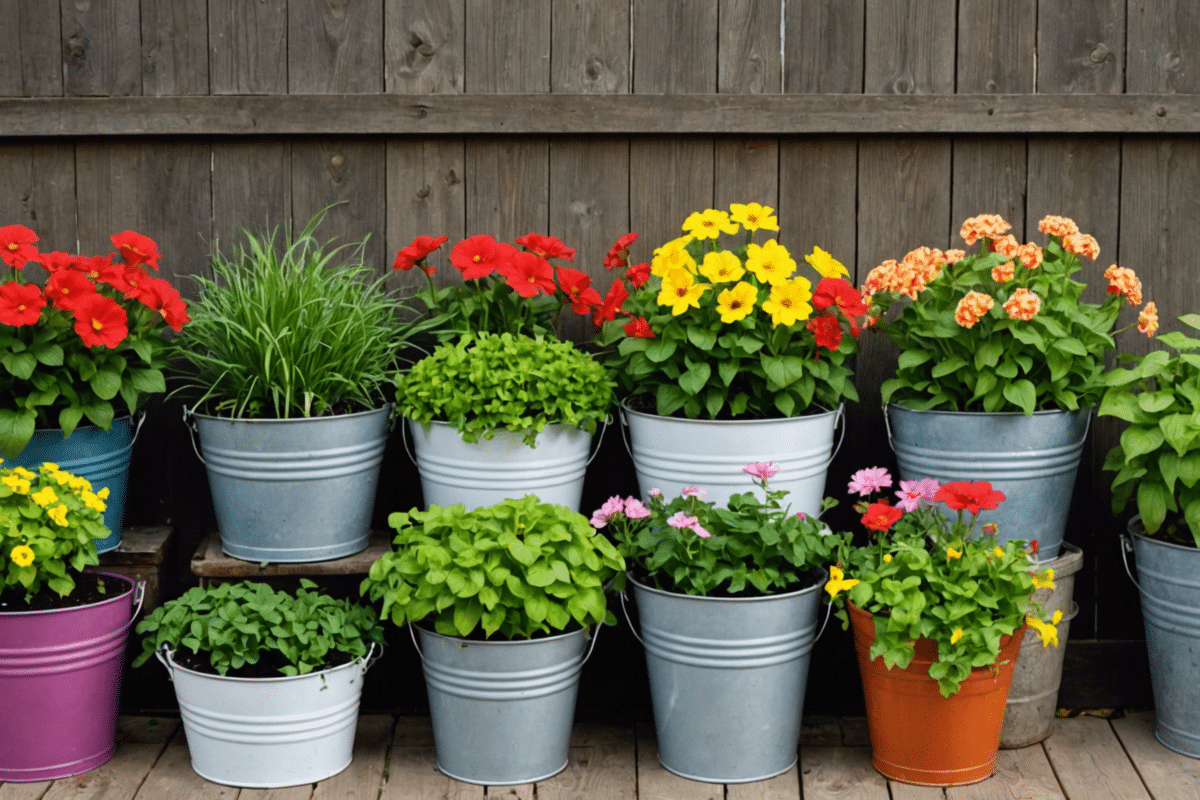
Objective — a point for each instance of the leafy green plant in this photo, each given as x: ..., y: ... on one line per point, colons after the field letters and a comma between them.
x: 487, y: 382
x: 516, y: 568
x: 1158, y: 455
x: 240, y: 623
x: 304, y: 331
x: 49, y: 524
x: 1004, y: 329
x: 753, y: 546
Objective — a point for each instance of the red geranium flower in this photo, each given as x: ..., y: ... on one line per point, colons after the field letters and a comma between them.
x: 99, y: 268
x: 546, y: 246
x: 417, y: 252
x: 166, y: 300
x: 66, y: 288
x: 57, y: 260
x: 478, y: 256
x: 639, y: 328
x: 827, y: 329
x: 137, y: 249
x: 16, y: 245
x: 618, y: 254
x: 970, y: 495
x: 638, y: 274
x: 841, y: 294
x: 578, y: 287
x: 881, y: 515
x: 528, y: 274
x: 136, y: 284
x: 616, y: 297
x: 20, y: 304
x: 100, y: 320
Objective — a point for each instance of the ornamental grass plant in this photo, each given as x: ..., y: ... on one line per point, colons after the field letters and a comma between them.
x: 1004, y: 328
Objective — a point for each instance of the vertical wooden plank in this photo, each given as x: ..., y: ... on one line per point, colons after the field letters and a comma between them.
x: 335, y: 47
x: 102, y: 47
x: 1081, y: 46
x: 602, y: 765
x: 1162, y: 44
x: 1167, y: 774
x: 668, y: 179
x: 37, y: 190
x: 655, y: 783
x: 24, y: 791
x: 252, y: 189
x: 172, y: 778
x: 510, y: 46
x: 1019, y: 773
x: 248, y: 45
x: 990, y: 177
x: 590, y: 46
x: 1088, y: 759
x: 785, y: 786
x: 347, y: 174
x: 748, y: 47
x: 844, y: 773
x: 174, y: 47
x: 426, y: 195
x: 906, y: 791
x: 362, y: 779
x: 119, y: 778
x: 107, y: 191
x: 823, y: 46
x: 747, y: 170
x: 675, y: 46
x: 412, y: 769
x: 423, y: 46
x: 31, y: 60
x: 175, y: 203
x: 996, y: 52
x: 909, y: 47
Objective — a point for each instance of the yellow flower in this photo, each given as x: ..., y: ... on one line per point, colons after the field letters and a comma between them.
x: 44, y: 496
x: 1046, y: 632
x: 827, y: 265
x: 58, y: 514
x: 1056, y: 618
x: 709, y: 224
x: 103, y: 493
x: 21, y: 472
x: 952, y: 553
x: 672, y: 255
x: 999, y: 551
x: 92, y: 501
x: 722, y: 266
x: 736, y: 303
x: 887, y: 558
x: 1044, y: 580
x: 60, y: 477
x: 788, y: 302
x: 754, y: 216
x: 838, y: 582
x: 21, y: 555
x: 16, y: 483
x: 954, y: 637
x: 770, y: 262
x: 80, y: 482
x: 680, y: 291
x: 51, y: 466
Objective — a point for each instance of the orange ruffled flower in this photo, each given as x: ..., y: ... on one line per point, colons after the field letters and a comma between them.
x: 1148, y: 319
x: 1006, y: 246
x: 1003, y: 273
x: 1030, y: 255
x: 954, y: 256
x: 990, y: 226
x: 1023, y: 305
x: 972, y: 308
x: 1123, y: 281
x: 1082, y: 244
x: 907, y: 277
x: 1058, y: 226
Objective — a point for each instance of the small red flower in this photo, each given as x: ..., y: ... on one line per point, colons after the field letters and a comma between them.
x: 528, y: 274
x: 1033, y: 547
x: 578, y: 288
x: 546, y: 246
x: 20, y: 304
x: 639, y: 328
x: 136, y: 284
x: 843, y: 296
x: 827, y: 329
x: 100, y: 269
x: 973, y: 496
x: 416, y: 253
x: 57, y: 260
x: 618, y: 254
x: 100, y: 320
x: 137, y: 249
x: 638, y: 274
x: 478, y: 256
x: 66, y: 288
x: 608, y: 308
x: 881, y: 515
x: 16, y: 245
x: 166, y: 300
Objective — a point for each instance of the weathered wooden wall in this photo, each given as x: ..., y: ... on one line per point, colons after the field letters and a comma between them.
x: 873, y: 126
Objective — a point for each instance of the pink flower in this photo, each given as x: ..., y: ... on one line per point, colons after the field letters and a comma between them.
x: 656, y: 492
x: 698, y: 529
x: 801, y: 515
x: 870, y: 480
x: 681, y: 520
x: 763, y: 470
x: 602, y: 515
x: 634, y: 508
x: 694, y: 491
x: 911, y: 493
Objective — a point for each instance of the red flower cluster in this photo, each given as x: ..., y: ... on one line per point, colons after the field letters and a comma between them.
x: 415, y: 254
x: 973, y: 496
x: 881, y: 515
x: 74, y: 286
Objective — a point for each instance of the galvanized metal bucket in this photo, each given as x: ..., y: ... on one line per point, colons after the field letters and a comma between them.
x: 100, y: 456
x: 670, y: 453
x: 1033, y: 460
x: 1168, y: 580
x: 492, y: 470
x: 502, y: 710
x: 60, y: 677
x: 727, y: 678
x: 1033, y: 696
x: 293, y: 490
x: 269, y: 732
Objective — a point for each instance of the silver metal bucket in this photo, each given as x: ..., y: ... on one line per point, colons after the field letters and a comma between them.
x: 502, y: 710
x: 293, y: 490
x: 269, y: 732
x: 670, y: 453
x: 1033, y: 697
x: 485, y: 473
x: 1033, y: 460
x: 727, y: 678
x: 1168, y: 580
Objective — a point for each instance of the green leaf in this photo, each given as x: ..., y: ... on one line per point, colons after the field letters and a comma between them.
x: 694, y: 379
x: 1021, y: 394
x: 703, y: 338
x: 16, y: 429
x: 782, y: 371
x: 1138, y: 440
x: 659, y: 350
x: 106, y: 383
x: 948, y: 366
x: 1070, y: 345
x: 1152, y: 505
x: 19, y: 365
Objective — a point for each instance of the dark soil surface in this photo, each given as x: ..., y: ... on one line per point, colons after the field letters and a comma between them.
x: 89, y: 588
x: 267, y: 667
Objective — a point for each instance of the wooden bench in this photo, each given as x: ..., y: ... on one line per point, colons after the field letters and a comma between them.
x: 211, y: 565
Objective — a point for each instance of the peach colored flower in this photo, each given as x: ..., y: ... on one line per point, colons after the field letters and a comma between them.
x: 1058, y: 226
x: 1023, y: 305
x: 972, y: 308
x: 1003, y: 273
x: 1030, y: 255
x: 1082, y: 244
x: 990, y: 226
x: 1006, y: 245
x: 1148, y: 319
x: 954, y: 256
x: 1123, y: 281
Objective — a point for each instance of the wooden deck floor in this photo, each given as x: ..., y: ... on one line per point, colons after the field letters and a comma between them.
x: 1087, y: 759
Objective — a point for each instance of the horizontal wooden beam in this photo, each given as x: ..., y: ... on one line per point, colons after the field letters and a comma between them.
x: 550, y: 114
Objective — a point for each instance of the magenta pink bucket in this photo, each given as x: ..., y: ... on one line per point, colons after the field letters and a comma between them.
x: 60, y: 675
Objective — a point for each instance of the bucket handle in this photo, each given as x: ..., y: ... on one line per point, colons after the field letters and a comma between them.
x: 1126, y: 549
x: 591, y: 647
x: 370, y: 658
x: 189, y: 419
x: 828, y: 614
x: 164, y: 654
x: 596, y: 448
x: 625, y: 432
x: 841, y: 417
x: 141, y: 415
x: 404, y: 438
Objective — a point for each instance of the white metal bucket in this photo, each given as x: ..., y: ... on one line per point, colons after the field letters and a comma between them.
x: 483, y: 474
x: 670, y: 453
x: 269, y: 732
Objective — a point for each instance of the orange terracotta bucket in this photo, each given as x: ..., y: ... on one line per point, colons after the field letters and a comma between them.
x: 920, y: 737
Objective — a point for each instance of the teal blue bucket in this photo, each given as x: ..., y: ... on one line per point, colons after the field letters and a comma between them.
x: 90, y: 452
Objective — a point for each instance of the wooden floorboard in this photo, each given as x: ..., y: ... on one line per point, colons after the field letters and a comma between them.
x: 1167, y: 774
x: 1090, y: 763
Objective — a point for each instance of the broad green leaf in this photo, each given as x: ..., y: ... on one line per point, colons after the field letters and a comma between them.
x: 1138, y: 440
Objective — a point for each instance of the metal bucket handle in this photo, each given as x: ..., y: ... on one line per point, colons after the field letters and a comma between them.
x: 596, y: 448
x: 189, y: 419
x: 828, y: 614
x: 139, y: 596
x: 841, y: 417
x: 404, y: 438
x: 1126, y: 548
x: 141, y: 415
x: 164, y: 654
x: 591, y: 647
x: 370, y: 658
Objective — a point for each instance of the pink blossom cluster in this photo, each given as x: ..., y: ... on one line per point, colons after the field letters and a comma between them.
x: 684, y: 521
x: 630, y: 507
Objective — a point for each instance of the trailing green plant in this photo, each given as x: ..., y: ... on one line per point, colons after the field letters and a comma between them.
x: 50, y: 521
x: 751, y: 547
x: 486, y: 382
x: 240, y: 623
x: 1158, y: 455
x: 302, y: 330
x: 516, y: 568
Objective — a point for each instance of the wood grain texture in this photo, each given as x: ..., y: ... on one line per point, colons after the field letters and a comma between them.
x: 107, y: 190
x: 510, y: 46
x: 412, y: 767
x: 990, y: 177
x: 1081, y: 46
x: 210, y: 562
x: 1167, y: 774
x: 31, y: 62
x: 905, y: 791
x: 37, y: 190
x: 24, y: 791
x: 780, y: 787
x: 1162, y: 43
x: 172, y: 778
x: 823, y: 47
x: 655, y: 783
x: 668, y: 179
x: 909, y: 48
x: 426, y: 194
x: 423, y: 46
x: 1088, y: 759
x: 675, y: 46
x: 1023, y: 774
x: 746, y: 170
x: 175, y: 204
x: 364, y: 777
x: 174, y: 47
x: 602, y: 765
x: 285, y: 793
x: 348, y: 174
x: 248, y: 47
x: 507, y: 186
x: 98, y: 38
x: 252, y: 189
x: 590, y: 46
x: 996, y: 46
x: 748, y: 47
x: 840, y: 773
x: 335, y: 47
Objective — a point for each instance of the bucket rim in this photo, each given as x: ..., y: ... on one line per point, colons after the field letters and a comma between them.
x: 1152, y: 540
x: 86, y: 426
x: 132, y: 586
x: 779, y: 596
x: 558, y: 637
x: 386, y: 407
x: 758, y: 421
x: 1046, y: 412
x: 170, y: 654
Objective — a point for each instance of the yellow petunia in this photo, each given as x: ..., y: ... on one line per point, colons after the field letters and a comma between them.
x: 887, y: 558
x: 709, y: 224
x: 103, y: 493
x: 1045, y: 580
x: 838, y: 582
x: 954, y: 637
x: 21, y: 472
x: 79, y: 482
x: 44, y: 496
x: 827, y: 265
x: 722, y: 266
x: 680, y: 291
x: 754, y: 217
x: 51, y: 466
x: 670, y: 256
x: 1047, y: 632
x: 788, y: 303
x: 999, y: 551
x: 737, y: 303
x: 92, y: 501
x: 952, y: 553
x: 58, y: 514
x: 771, y: 263
x: 22, y: 555
x: 16, y: 483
